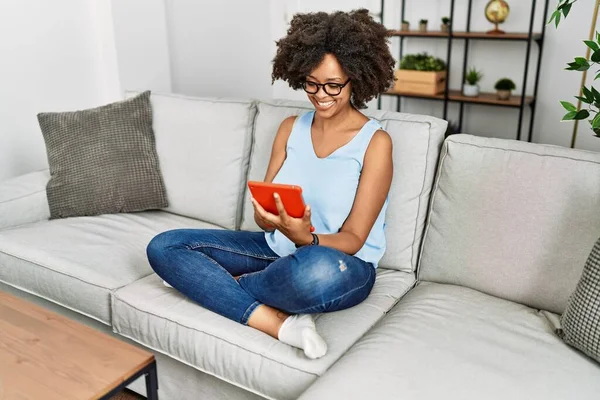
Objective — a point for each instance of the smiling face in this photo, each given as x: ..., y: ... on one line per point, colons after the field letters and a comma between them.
x: 329, y: 71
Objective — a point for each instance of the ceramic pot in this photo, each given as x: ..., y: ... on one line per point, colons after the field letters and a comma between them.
x: 423, y: 27
x: 405, y: 27
x: 503, y: 94
x: 470, y: 90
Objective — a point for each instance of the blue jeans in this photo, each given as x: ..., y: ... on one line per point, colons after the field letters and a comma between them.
x: 201, y: 263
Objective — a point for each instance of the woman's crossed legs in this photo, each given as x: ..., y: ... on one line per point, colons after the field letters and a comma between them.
x: 202, y: 264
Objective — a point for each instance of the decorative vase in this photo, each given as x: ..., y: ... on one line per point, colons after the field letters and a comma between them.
x: 503, y: 94
x: 405, y: 26
x: 445, y: 28
x: 470, y: 90
x: 423, y: 27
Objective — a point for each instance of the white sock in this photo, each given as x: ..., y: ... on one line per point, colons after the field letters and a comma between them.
x: 166, y: 284
x: 300, y: 331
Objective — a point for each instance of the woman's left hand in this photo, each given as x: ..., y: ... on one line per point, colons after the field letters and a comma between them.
x: 298, y: 230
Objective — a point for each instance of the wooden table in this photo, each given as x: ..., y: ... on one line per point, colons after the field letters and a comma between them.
x: 44, y: 355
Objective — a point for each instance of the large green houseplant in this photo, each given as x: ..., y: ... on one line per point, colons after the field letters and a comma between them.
x: 588, y: 95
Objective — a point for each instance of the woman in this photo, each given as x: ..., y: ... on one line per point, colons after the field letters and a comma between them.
x: 274, y: 280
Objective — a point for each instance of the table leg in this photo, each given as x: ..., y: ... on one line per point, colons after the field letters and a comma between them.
x: 152, y: 383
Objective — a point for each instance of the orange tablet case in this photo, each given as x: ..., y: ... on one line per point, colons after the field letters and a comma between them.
x: 291, y: 197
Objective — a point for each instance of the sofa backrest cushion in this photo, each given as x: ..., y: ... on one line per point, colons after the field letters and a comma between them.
x: 417, y: 140
x: 511, y: 219
x: 203, y: 147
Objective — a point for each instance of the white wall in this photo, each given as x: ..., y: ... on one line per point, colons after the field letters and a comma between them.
x: 140, y: 40
x: 50, y: 61
x: 220, y: 47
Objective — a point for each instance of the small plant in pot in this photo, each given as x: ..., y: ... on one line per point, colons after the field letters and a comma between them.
x: 504, y: 87
x: 405, y: 25
x: 423, y: 25
x: 472, y: 78
x: 445, y: 27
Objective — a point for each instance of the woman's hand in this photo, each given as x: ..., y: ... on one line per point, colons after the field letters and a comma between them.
x: 295, y: 229
x: 262, y: 223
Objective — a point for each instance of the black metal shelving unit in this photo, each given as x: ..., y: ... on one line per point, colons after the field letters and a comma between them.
x: 517, y: 101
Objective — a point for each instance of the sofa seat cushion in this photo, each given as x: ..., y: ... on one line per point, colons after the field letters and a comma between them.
x: 450, y: 342
x: 164, y: 320
x: 77, y: 262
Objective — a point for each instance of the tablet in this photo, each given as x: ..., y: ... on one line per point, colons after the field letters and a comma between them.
x: 290, y: 195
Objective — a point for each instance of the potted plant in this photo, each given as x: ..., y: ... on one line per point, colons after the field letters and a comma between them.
x: 504, y: 87
x: 421, y: 74
x: 405, y: 25
x: 472, y: 78
x: 589, y: 97
x: 423, y: 25
x: 445, y: 27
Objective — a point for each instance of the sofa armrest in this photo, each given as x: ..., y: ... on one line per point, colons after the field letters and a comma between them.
x: 23, y: 199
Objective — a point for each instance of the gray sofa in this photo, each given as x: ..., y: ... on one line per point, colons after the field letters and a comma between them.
x: 486, y: 239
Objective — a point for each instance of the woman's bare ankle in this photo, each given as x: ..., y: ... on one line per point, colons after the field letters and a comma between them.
x: 267, y: 319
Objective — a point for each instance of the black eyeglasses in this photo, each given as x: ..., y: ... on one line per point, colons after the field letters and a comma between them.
x: 332, y: 89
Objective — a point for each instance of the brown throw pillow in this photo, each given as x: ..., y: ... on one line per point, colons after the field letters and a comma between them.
x: 103, y: 160
x: 581, y: 320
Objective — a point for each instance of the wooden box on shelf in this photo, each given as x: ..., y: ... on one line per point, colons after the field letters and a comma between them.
x: 420, y: 82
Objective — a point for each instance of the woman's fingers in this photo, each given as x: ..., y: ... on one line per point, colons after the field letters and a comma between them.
x: 280, y: 207
x: 306, y: 217
x: 307, y: 213
x: 265, y: 215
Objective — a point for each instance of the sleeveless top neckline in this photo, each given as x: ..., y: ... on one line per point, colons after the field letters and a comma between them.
x: 312, y: 145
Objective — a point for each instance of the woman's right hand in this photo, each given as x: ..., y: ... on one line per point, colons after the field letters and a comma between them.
x: 261, y: 222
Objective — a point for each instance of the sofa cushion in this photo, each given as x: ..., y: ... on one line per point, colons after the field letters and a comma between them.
x: 511, y: 219
x: 164, y: 320
x: 581, y: 320
x: 450, y: 342
x: 23, y: 199
x: 203, y: 147
x: 77, y: 262
x: 103, y: 160
x: 417, y: 140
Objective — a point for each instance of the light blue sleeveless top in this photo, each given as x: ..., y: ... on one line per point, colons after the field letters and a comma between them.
x: 329, y: 186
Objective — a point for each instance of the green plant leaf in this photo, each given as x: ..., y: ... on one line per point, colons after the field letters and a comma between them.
x: 596, y: 95
x: 580, y: 64
x: 568, y: 106
x: 582, y: 114
x: 588, y: 94
x: 596, y: 121
x: 570, y: 116
x: 583, y: 99
x: 566, y: 9
x: 554, y: 14
x: 557, y: 20
x: 592, y: 45
x: 596, y: 56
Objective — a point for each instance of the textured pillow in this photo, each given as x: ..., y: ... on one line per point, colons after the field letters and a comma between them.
x: 103, y: 160
x: 581, y: 319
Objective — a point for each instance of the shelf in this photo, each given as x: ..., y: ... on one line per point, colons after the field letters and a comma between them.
x: 456, y: 96
x: 468, y: 35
